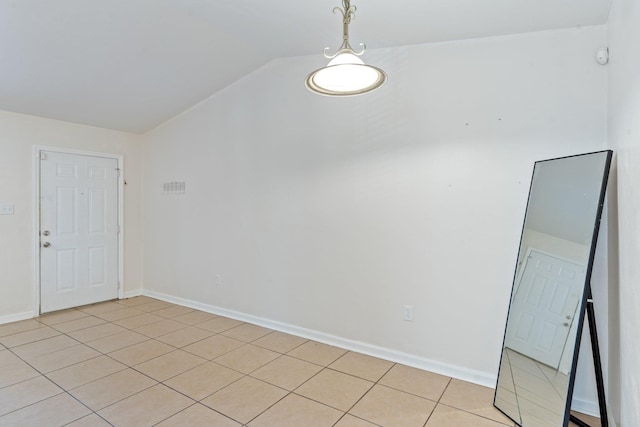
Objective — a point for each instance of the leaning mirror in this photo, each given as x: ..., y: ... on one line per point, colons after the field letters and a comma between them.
x: 550, y: 288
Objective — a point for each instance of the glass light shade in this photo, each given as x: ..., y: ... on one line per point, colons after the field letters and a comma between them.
x: 345, y: 75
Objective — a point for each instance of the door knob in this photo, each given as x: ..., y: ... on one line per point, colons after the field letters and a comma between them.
x: 46, y: 244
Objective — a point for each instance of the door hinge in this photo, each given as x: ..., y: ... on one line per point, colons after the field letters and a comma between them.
x: 118, y: 228
x: 43, y: 155
x: 118, y: 172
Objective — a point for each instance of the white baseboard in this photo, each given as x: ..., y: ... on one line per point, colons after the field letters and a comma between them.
x: 461, y: 373
x: 131, y: 294
x: 16, y: 317
x: 589, y: 407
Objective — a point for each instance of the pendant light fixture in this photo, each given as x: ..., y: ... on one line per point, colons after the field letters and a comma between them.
x: 346, y: 74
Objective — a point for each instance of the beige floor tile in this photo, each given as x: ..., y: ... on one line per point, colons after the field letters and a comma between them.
x: 247, y: 359
x: 388, y: 407
x: 245, y: 399
x: 62, y: 358
x: 120, y: 314
x: 146, y: 408
x: 416, y: 381
x: 135, y: 301
x: 36, y: 349
x: 13, y: 370
x: 101, y: 307
x: 185, y: 336
x: 96, y: 332
x: 336, y: 389
x: 445, y: 416
x: 81, y: 373
x: 78, y: 324
x: 117, y: 341
x: 194, y: 317
x: 144, y: 333
x: 153, y: 306
x: 17, y: 327
x: 61, y: 316
x: 351, y: 421
x: 197, y: 416
x: 318, y: 353
x: 592, y: 421
x: 203, y: 380
x: 280, y: 342
x: 219, y: 324
x: 91, y: 420
x: 32, y: 335
x: 287, y: 372
x: 169, y: 365
x: 246, y: 332
x: 7, y: 358
x: 472, y: 398
x: 55, y: 411
x: 213, y: 347
x: 113, y: 388
x: 22, y: 394
x: 363, y: 366
x: 141, y: 352
x: 295, y: 410
x: 138, y: 320
x: 173, y: 311
x: 163, y: 327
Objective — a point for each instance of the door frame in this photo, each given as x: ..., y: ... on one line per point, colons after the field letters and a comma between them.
x: 37, y: 150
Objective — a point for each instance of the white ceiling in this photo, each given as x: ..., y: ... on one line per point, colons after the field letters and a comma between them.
x: 132, y: 64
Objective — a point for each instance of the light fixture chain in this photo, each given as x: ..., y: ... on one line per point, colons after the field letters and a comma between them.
x: 348, y: 14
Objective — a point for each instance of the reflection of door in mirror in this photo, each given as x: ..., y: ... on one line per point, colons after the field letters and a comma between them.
x: 544, y: 303
x: 546, y: 310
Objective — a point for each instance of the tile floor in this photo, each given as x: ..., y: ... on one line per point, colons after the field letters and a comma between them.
x: 144, y: 362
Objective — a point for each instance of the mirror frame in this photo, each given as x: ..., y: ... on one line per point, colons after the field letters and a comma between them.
x: 586, y: 290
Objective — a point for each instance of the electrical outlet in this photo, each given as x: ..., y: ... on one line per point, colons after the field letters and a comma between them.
x: 218, y: 280
x: 407, y: 313
x: 6, y: 209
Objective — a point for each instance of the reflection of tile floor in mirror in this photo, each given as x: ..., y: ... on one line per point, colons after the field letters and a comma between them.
x: 144, y: 362
x: 540, y: 391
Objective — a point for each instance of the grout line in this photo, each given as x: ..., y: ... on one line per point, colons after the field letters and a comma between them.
x: 438, y: 401
x: 364, y: 394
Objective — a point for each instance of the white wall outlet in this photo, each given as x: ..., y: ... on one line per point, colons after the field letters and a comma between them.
x: 407, y: 313
x: 6, y: 208
x: 218, y: 280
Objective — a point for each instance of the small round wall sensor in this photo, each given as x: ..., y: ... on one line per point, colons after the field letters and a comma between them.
x: 602, y: 55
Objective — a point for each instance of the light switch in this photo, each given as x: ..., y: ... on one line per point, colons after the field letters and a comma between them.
x: 6, y: 208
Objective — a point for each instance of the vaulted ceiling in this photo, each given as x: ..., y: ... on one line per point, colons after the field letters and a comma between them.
x: 132, y: 64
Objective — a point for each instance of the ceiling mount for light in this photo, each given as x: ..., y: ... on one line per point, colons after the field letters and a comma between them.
x: 346, y: 74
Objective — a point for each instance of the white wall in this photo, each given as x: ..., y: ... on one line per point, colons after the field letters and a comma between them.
x: 624, y: 138
x: 331, y: 214
x: 18, y: 134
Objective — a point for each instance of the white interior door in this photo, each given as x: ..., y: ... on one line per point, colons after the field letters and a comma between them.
x: 78, y: 230
x: 544, y: 306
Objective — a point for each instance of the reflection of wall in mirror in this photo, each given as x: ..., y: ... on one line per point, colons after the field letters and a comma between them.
x: 565, y: 249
